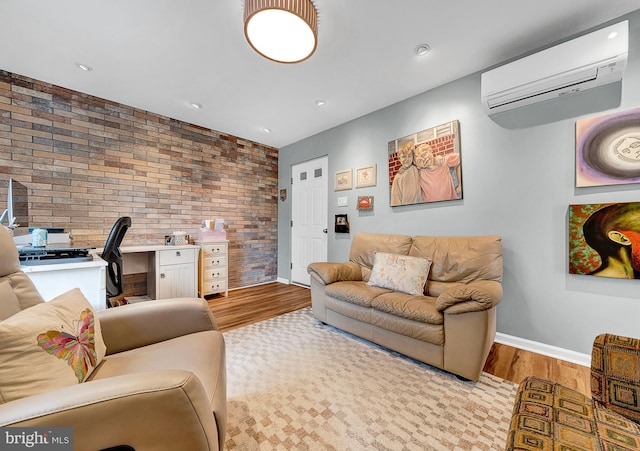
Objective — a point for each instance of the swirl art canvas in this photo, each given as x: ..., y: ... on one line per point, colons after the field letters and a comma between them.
x: 608, y: 149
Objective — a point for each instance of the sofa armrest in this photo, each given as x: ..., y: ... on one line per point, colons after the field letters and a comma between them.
x: 472, y: 297
x: 135, y: 325
x: 120, y: 410
x: 334, y: 272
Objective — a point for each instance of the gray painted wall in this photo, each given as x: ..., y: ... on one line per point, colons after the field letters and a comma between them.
x: 518, y: 183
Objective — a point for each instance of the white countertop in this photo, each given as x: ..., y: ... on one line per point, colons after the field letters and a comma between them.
x: 53, y: 266
x: 97, y: 261
x: 153, y: 248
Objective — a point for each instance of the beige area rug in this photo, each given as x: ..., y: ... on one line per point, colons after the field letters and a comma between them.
x: 294, y: 383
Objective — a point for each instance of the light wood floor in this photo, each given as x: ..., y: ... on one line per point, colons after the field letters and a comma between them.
x: 250, y: 305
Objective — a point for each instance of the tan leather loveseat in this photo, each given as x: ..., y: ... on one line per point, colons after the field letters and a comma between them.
x: 451, y: 325
x: 160, y: 386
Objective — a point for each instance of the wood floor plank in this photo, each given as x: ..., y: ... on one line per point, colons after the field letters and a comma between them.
x: 253, y: 304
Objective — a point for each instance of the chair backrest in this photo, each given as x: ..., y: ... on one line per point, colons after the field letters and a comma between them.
x: 615, y: 374
x: 17, y: 292
x: 112, y: 255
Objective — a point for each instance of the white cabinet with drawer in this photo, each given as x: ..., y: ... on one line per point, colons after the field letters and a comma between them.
x: 172, y: 272
x: 213, y: 268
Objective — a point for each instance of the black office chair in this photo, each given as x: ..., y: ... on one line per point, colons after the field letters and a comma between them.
x: 112, y: 255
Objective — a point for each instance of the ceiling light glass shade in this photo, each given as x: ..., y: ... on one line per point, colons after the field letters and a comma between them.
x: 285, y: 31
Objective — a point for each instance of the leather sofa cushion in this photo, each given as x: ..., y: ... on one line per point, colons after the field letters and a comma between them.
x: 9, y: 304
x: 22, y: 286
x: 415, y: 308
x: 365, y: 245
x: 429, y: 333
x: 23, y: 289
x: 461, y: 258
x: 355, y: 292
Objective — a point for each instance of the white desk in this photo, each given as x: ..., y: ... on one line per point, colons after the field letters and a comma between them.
x: 172, y: 271
x: 54, y: 279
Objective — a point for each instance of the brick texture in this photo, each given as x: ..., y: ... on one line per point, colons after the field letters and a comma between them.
x: 86, y: 161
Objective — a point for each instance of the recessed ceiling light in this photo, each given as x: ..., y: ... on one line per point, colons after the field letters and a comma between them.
x: 266, y: 130
x: 84, y: 67
x: 196, y: 106
x: 321, y: 102
x: 613, y: 34
x: 422, y: 49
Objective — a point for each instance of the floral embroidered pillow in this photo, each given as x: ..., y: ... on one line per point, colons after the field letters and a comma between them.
x: 48, y: 346
x: 400, y: 272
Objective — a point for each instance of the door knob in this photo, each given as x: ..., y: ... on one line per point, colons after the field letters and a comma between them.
x: 325, y: 230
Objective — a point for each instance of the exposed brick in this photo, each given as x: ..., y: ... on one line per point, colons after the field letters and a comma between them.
x: 87, y: 161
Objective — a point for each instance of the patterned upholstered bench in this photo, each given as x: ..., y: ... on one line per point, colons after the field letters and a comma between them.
x: 549, y: 416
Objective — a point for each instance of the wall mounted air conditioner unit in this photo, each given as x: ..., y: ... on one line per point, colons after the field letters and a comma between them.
x: 595, y: 59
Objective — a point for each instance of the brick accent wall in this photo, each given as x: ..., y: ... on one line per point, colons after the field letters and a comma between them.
x: 86, y: 161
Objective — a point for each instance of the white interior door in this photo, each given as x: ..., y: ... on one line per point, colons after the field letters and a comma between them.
x: 309, y: 189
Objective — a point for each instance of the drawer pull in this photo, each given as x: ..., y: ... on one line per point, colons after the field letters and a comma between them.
x: 178, y: 254
x: 215, y: 262
x: 162, y: 275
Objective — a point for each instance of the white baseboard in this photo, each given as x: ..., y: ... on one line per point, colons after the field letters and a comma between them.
x: 544, y: 349
x: 258, y: 284
x: 283, y: 280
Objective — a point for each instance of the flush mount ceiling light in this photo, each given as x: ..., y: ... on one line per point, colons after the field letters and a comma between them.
x: 285, y: 31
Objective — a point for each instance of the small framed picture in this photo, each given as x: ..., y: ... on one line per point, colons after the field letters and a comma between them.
x: 366, y: 176
x: 343, y: 180
x: 342, y: 224
x: 365, y: 203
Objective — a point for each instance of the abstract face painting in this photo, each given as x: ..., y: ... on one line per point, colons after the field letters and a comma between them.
x: 604, y: 240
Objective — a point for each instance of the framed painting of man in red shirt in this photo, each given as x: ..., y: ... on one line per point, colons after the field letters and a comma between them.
x: 426, y: 166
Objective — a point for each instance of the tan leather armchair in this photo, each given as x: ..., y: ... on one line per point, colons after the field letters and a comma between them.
x: 161, y: 385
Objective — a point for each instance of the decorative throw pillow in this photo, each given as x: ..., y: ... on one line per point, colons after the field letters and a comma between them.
x: 48, y: 346
x: 400, y: 272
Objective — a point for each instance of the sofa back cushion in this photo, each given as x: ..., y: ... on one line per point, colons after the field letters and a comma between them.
x: 461, y: 259
x: 11, y: 276
x: 9, y: 262
x: 9, y: 304
x: 365, y: 245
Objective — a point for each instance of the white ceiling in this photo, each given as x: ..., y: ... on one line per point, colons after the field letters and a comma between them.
x: 162, y: 55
